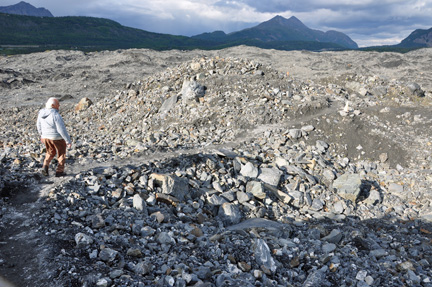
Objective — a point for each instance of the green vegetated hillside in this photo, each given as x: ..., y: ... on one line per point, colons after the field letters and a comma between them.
x: 395, y: 48
x: 418, y: 38
x: 20, y: 34
x: 83, y: 33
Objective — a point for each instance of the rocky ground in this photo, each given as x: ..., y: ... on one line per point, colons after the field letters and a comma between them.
x: 239, y: 167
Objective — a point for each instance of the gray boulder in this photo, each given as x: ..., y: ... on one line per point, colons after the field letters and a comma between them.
x: 138, y: 203
x: 415, y: 90
x: 230, y: 214
x: 172, y: 185
x: 249, y: 170
x: 263, y: 255
x: 108, y: 255
x: 191, y: 91
x: 256, y: 188
x: 168, y: 104
x: 270, y: 176
x: 348, y: 186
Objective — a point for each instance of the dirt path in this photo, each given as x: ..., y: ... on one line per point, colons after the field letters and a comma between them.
x: 24, y: 251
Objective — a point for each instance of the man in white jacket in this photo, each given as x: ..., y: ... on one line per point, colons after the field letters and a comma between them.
x: 53, y: 134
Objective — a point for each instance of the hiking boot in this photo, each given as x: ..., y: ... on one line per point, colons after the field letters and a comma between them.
x: 60, y: 174
x: 45, y: 171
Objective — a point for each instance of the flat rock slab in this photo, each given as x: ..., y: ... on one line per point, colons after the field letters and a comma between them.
x: 257, y: 222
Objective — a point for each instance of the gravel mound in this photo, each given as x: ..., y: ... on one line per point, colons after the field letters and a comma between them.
x: 240, y: 167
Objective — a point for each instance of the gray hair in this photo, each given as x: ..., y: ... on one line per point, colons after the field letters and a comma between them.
x: 50, y: 102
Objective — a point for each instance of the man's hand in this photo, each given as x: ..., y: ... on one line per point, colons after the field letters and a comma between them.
x: 69, y: 145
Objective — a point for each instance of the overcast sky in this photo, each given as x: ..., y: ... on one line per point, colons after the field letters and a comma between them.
x: 367, y: 22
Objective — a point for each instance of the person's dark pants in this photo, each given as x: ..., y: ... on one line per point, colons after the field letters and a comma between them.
x: 54, y: 147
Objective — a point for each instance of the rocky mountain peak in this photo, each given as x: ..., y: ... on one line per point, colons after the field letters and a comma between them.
x: 281, y: 22
x: 418, y: 38
x: 26, y: 9
x: 291, y: 22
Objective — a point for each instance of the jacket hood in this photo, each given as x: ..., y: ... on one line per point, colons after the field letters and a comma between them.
x: 44, y: 113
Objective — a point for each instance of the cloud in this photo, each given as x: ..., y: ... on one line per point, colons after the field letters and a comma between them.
x: 180, y: 17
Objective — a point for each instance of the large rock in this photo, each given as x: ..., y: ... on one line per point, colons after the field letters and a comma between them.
x: 216, y: 200
x: 172, y: 185
x: 256, y: 188
x: 374, y: 197
x: 270, y: 176
x: 108, y: 254
x: 348, y: 186
x: 249, y: 170
x: 281, y: 162
x: 335, y: 236
x: 263, y: 255
x: 230, y: 214
x: 83, y: 104
x: 139, y: 203
x: 168, y: 104
x: 165, y: 238
x: 192, y: 91
x: 295, y: 133
x: 415, y: 90
x: 83, y: 240
x: 317, y: 278
x: 257, y: 223
x: 243, y: 197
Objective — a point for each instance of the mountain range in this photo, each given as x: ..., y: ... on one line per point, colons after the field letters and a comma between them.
x: 33, y: 29
x: 282, y: 29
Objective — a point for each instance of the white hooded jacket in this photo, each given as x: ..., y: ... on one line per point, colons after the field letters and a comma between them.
x: 50, y: 125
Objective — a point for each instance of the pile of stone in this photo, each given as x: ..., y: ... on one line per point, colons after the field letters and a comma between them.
x: 218, y: 173
x: 11, y: 79
x: 234, y: 218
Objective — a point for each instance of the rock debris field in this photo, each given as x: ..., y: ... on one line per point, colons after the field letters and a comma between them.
x: 238, y: 167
